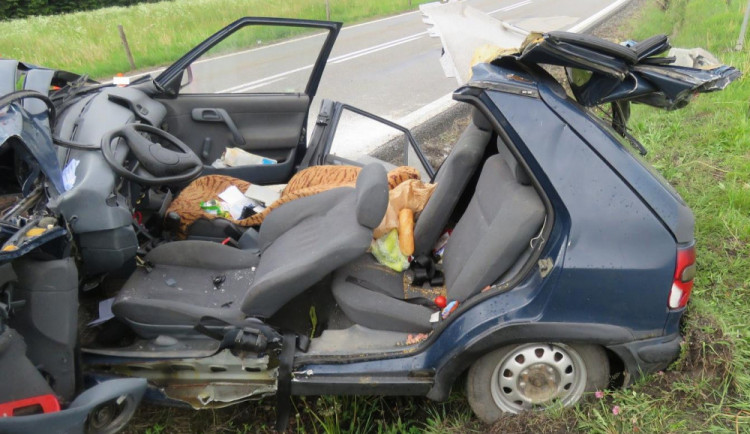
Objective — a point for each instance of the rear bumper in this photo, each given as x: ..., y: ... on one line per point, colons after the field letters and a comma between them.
x: 647, y: 356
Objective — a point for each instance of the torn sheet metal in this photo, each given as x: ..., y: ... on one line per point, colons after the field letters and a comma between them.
x: 599, y: 71
x: 462, y: 30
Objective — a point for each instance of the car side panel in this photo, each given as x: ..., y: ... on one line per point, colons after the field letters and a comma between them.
x: 619, y: 258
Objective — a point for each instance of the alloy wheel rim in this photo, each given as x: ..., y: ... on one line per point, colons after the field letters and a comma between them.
x: 535, y: 376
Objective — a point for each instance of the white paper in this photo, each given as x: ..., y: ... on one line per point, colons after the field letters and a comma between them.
x: 264, y: 195
x: 69, y: 174
x: 236, y: 201
x: 435, y: 317
x: 105, y: 312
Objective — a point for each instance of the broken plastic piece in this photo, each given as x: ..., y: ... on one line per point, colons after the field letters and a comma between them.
x: 453, y: 305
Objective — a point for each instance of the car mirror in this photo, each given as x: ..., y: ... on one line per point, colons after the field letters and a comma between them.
x: 187, y: 77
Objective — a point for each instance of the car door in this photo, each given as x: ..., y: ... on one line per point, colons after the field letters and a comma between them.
x: 248, y: 88
x: 338, y: 139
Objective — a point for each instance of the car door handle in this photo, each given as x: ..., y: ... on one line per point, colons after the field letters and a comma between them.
x: 219, y: 115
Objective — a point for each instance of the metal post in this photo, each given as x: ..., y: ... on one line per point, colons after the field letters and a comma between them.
x: 126, y: 46
x: 328, y: 10
x: 743, y: 29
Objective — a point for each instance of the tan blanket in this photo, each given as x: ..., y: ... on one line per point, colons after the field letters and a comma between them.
x: 307, y: 182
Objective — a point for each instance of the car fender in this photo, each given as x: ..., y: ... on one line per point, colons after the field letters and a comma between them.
x: 463, y: 356
x: 126, y: 393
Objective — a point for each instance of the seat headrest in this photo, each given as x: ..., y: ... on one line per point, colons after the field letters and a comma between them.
x: 480, y: 120
x: 372, y: 195
x: 518, y: 171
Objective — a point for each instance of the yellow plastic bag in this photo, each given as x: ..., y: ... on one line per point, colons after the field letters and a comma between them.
x: 386, y: 250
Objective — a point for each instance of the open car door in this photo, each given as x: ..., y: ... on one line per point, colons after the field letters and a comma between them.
x: 248, y: 86
x: 337, y: 139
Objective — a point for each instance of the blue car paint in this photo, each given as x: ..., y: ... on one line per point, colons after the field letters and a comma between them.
x: 613, y: 246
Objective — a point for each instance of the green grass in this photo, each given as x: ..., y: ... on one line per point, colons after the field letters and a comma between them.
x: 159, y: 33
x: 704, y: 151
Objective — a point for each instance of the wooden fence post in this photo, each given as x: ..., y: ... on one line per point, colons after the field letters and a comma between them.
x: 328, y: 10
x: 126, y: 46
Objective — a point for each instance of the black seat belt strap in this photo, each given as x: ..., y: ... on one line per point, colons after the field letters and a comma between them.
x: 284, y: 382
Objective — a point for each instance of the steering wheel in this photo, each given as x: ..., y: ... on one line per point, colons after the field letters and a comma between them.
x: 156, y: 165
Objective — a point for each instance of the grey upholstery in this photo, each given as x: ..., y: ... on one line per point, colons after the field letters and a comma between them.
x: 502, y: 217
x: 181, y: 289
x: 451, y: 180
x: 202, y: 254
x: 374, y: 309
x: 515, y: 168
x: 301, y: 242
x: 496, y: 228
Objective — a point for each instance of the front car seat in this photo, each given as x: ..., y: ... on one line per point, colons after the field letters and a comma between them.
x: 300, y: 243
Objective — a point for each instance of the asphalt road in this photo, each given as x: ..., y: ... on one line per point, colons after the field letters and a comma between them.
x: 388, y: 66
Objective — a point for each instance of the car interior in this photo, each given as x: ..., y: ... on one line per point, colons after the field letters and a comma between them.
x: 311, y: 255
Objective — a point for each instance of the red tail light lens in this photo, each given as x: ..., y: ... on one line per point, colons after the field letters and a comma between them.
x: 684, y: 273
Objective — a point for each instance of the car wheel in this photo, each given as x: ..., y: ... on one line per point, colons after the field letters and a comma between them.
x: 534, y: 376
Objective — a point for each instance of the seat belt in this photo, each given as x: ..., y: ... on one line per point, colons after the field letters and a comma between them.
x: 284, y: 382
x: 243, y: 338
x: 423, y: 301
x: 424, y: 271
x: 257, y: 339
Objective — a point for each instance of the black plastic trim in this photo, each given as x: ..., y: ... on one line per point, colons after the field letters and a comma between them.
x: 393, y: 385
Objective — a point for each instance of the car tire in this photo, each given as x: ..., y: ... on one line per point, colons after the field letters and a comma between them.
x: 534, y: 376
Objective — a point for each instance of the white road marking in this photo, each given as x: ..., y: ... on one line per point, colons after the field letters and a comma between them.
x: 509, y: 8
x: 338, y: 59
x: 257, y: 83
x: 373, y: 49
x: 302, y: 38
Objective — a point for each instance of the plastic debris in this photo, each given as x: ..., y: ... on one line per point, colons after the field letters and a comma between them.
x: 439, y: 249
x: 447, y: 310
x: 234, y: 157
x: 387, y: 251
x: 214, y: 207
x: 235, y: 202
x: 69, y: 174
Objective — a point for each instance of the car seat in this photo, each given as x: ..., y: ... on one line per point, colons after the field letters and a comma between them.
x: 503, y: 215
x: 300, y: 243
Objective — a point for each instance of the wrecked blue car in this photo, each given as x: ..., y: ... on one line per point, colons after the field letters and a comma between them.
x: 550, y: 260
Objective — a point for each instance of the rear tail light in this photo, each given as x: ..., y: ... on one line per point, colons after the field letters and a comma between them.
x: 684, y: 273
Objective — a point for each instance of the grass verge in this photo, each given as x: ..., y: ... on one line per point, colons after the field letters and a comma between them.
x: 704, y: 151
x: 158, y: 33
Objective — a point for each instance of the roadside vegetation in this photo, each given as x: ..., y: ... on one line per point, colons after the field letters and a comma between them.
x: 159, y: 33
x: 703, y: 150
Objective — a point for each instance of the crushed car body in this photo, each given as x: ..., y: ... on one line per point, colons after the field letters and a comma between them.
x: 543, y: 258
